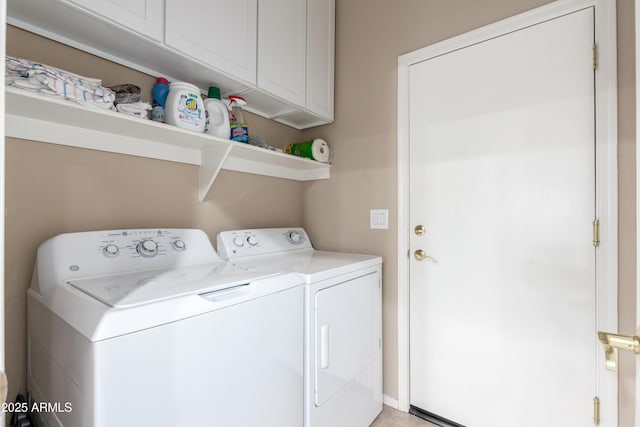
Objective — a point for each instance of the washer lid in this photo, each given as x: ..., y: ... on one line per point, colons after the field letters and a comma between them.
x: 144, y: 287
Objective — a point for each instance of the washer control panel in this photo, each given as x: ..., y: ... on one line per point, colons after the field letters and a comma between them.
x: 147, y: 248
x: 75, y: 255
x: 143, y: 243
x: 239, y: 243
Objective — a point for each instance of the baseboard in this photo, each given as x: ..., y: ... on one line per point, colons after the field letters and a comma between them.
x: 391, y: 402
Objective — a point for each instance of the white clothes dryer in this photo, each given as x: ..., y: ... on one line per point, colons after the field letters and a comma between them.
x: 151, y: 328
x: 343, y: 321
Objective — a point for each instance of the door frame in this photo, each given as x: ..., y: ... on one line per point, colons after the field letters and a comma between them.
x: 637, y: 83
x: 606, y: 134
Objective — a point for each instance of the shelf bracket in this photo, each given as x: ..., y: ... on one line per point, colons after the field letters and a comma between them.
x: 211, y: 161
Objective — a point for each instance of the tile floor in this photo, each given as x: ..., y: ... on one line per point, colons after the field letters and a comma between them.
x: 392, y: 418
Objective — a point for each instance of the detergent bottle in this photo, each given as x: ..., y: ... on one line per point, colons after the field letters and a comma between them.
x: 217, y: 115
x: 184, y: 107
x: 159, y: 94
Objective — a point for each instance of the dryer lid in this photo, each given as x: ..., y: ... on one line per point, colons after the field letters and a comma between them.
x: 315, y: 266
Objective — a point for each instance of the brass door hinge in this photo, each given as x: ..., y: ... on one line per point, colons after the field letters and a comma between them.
x: 596, y: 232
x: 595, y: 56
x: 596, y: 410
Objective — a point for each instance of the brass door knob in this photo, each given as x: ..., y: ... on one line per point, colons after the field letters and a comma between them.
x: 420, y: 255
x: 624, y: 342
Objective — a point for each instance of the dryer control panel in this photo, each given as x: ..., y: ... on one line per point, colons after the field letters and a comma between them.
x: 261, y: 241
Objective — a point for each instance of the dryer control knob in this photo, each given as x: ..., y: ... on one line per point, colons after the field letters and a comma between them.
x: 147, y: 248
x: 251, y: 240
x: 110, y: 250
x: 295, y: 237
x: 179, y: 245
x: 238, y: 241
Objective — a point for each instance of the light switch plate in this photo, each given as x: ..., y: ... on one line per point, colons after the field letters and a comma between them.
x: 379, y: 219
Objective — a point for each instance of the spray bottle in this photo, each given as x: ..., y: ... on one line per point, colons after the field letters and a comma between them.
x: 238, y: 125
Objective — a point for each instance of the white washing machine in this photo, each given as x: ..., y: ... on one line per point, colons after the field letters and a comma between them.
x: 343, y: 321
x: 151, y: 328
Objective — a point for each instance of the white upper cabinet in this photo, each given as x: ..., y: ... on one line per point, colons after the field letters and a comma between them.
x: 296, y: 53
x: 219, y: 33
x: 282, y: 48
x: 278, y: 54
x: 143, y: 16
x: 320, y: 56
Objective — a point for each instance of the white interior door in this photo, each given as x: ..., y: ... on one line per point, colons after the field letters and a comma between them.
x: 502, y: 323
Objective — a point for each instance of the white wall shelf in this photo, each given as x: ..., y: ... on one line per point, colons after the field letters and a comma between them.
x: 38, y: 117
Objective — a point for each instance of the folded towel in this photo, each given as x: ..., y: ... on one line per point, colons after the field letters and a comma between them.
x: 49, y: 80
x: 138, y: 109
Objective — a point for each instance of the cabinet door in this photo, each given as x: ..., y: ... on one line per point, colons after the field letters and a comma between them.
x: 282, y: 48
x: 320, y: 56
x: 143, y: 16
x: 219, y: 33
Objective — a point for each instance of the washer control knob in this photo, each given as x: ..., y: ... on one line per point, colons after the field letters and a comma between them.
x: 179, y: 245
x: 110, y: 250
x: 252, y: 241
x: 238, y: 241
x: 295, y: 237
x: 147, y: 248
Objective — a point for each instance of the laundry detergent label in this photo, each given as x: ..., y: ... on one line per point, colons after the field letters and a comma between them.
x: 188, y: 111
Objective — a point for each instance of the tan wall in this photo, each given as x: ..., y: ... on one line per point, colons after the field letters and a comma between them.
x: 626, y: 205
x: 53, y: 189
x: 370, y: 37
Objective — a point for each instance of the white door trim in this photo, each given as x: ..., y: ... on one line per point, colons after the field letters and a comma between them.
x: 606, y: 178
